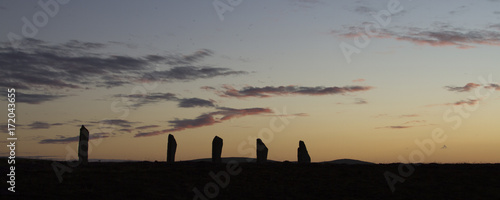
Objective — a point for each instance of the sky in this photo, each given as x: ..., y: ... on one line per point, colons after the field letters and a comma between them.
x: 380, y: 81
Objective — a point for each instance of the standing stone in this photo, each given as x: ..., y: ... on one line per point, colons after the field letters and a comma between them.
x: 217, y: 150
x: 261, y: 152
x: 83, y: 146
x: 302, y: 154
x: 171, y: 148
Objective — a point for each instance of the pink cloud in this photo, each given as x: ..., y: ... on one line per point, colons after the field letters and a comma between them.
x: 444, y: 35
x: 462, y: 102
x: 395, y: 127
x: 207, y: 120
x: 469, y: 102
x: 493, y: 86
x: 466, y: 88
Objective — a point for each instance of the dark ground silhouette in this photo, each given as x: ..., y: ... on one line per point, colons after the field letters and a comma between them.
x: 35, y: 179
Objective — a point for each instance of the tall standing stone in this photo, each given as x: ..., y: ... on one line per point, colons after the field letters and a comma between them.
x: 302, y: 154
x: 171, y: 148
x: 217, y: 150
x: 261, y: 152
x: 83, y: 146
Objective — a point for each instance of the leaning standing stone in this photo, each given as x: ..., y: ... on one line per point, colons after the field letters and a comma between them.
x: 171, y: 148
x: 261, y: 152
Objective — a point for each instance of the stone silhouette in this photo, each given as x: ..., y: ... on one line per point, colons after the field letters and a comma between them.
x: 261, y: 152
x: 83, y: 146
x: 217, y: 150
x: 302, y: 154
x: 171, y: 148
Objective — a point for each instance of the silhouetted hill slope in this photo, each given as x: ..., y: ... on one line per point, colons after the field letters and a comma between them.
x: 36, y: 179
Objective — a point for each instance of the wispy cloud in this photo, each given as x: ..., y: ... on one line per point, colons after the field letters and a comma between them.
x: 138, y: 100
x: 358, y: 80
x: 360, y: 101
x: 395, y: 127
x: 407, y: 124
x: 493, y: 86
x: 65, y: 140
x: 207, y: 119
x: 22, y: 97
x: 42, y: 125
x: 437, y: 35
x: 75, y: 64
x: 270, y: 91
x: 385, y: 115
x: 195, y: 102
x: 291, y: 115
x: 146, y: 127
x: 470, y: 86
x: 467, y: 102
x: 415, y: 122
x: 466, y: 88
x: 128, y: 130
x: 5, y: 129
x: 188, y: 73
x: 115, y: 122
x: 409, y: 115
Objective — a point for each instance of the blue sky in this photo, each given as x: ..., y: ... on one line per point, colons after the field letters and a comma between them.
x: 185, y: 71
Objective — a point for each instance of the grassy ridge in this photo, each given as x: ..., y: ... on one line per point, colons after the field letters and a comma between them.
x: 280, y: 180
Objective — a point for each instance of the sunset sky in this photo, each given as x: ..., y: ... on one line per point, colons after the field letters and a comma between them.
x: 360, y: 79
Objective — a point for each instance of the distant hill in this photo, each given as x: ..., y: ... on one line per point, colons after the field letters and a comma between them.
x: 348, y: 162
x: 224, y: 160
x: 252, y: 160
x: 227, y: 159
x: 112, y: 160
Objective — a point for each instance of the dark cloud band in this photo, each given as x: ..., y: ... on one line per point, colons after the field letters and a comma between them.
x: 270, y: 91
